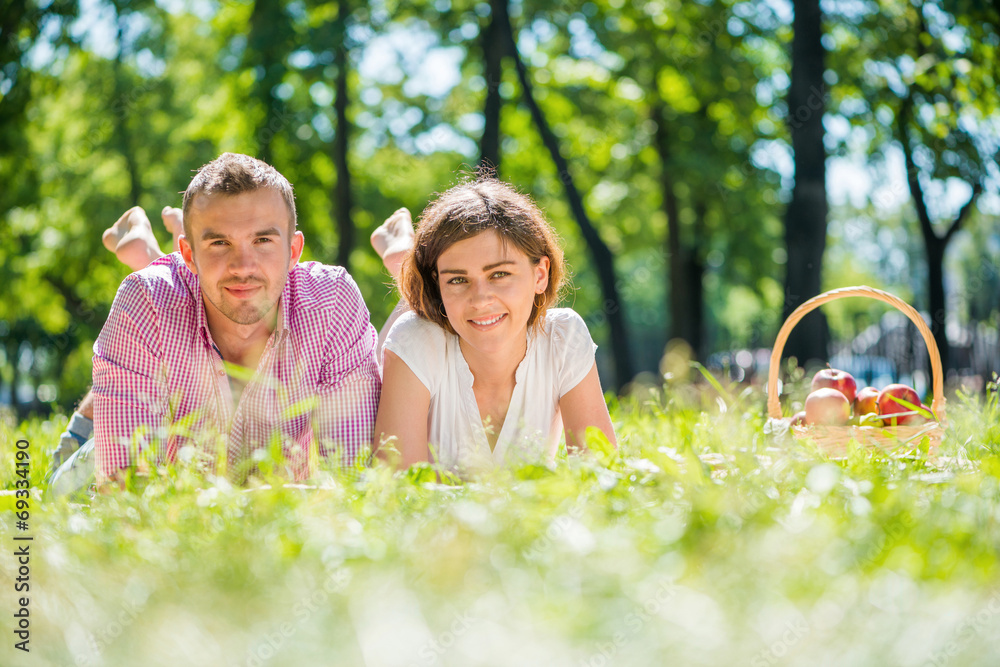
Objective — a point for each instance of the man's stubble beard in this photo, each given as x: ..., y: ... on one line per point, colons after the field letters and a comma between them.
x: 245, y: 314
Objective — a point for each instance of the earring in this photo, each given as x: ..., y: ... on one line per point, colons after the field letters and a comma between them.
x: 538, y: 306
x: 441, y: 310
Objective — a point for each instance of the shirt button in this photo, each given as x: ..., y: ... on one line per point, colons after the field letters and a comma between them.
x: 221, y: 373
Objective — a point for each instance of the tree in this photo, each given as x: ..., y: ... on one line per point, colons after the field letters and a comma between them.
x: 72, y: 124
x: 343, y: 197
x: 494, y: 47
x: 692, y: 69
x: 928, y: 90
x: 931, y: 90
x: 123, y: 83
x: 614, y: 306
x: 934, y: 244
x: 268, y: 44
x: 805, y: 219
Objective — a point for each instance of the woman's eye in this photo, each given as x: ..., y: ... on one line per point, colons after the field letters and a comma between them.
x: 501, y: 274
x: 456, y: 281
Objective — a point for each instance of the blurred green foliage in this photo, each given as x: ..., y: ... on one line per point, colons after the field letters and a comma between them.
x: 701, y: 540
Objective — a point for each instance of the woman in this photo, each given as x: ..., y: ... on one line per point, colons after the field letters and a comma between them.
x: 482, y: 371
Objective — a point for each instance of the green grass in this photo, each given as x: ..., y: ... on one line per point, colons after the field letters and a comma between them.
x: 700, y: 542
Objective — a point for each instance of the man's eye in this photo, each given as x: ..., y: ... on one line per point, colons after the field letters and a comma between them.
x: 219, y: 243
x: 264, y: 239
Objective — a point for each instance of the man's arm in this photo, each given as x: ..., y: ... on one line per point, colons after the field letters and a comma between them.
x: 78, y: 431
x: 130, y: 394
x: 349, y: 383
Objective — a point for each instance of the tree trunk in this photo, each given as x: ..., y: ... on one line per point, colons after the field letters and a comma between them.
x: 342, y: 194
x: 935, y: 296
x: 13, y: 357
x: 493, y: 53
x: 693, y: 327
x: 805, y: 219
x: 684, y: 292
x: 121, y: 108
x: 262, y: 47
x: 35, y: 407
x: 603, y: 260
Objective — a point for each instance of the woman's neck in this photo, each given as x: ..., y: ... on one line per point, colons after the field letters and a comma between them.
x: 496, y: 368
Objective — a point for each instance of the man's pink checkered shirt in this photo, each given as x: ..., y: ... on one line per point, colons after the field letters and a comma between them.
x: 160, y: 382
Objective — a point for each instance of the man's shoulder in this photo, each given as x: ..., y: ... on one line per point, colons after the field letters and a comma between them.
x: 166, y: 282
x: 316, y: 285
x: 325, y: 301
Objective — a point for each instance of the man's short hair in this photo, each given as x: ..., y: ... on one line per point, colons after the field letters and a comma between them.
x: 234, y: 174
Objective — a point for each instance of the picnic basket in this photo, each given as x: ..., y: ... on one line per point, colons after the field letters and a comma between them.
x: 834, y: 439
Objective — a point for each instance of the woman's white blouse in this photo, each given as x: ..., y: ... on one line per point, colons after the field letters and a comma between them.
x: 557, y: 359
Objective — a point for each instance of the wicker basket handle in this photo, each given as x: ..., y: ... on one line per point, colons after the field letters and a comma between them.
x: 773, y: 402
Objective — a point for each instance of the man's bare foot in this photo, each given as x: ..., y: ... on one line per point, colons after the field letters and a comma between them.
x: 131, y: 239
x: 173, y: 220
x: 393, y: 240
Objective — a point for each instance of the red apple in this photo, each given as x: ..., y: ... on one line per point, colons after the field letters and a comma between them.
x: 866, y: 401
x: 827, y: 406
x: 842, y: 381
x: 888, y: 406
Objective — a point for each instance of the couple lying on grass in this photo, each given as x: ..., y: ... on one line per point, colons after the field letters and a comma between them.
x: 229, y: 342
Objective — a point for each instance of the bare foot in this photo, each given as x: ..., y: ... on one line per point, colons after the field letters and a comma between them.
x: 131, y: 239
x: 393, y: 240
x: 173, y: 220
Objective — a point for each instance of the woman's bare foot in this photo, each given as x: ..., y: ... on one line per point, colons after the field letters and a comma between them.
x: 173, y: 220
x: 393, y: 240
x: 131, y: 239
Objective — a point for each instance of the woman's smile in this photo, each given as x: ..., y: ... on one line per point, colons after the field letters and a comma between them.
x: 488, y: 322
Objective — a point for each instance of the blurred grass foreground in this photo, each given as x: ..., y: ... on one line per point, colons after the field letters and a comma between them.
x: 702, y: 541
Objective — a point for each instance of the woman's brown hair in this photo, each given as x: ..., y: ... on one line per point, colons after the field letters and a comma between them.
x: 463, y: 212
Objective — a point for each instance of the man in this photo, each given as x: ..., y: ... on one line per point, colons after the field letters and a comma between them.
x: 231, y: 343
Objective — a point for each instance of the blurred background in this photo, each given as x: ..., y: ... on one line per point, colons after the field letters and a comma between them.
x: 709, y: 164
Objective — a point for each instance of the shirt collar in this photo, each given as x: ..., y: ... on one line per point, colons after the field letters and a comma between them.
x: 201, y: 317
x: 281, y: 326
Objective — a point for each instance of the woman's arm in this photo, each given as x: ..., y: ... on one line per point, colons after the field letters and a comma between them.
x: 584, y: 406
x: 402, y: 414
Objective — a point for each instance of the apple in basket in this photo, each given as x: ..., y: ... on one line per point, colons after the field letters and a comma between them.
x: 866, y: 401
x: 827, y: 406
x: 842, y: 381
x: 899, y: 399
